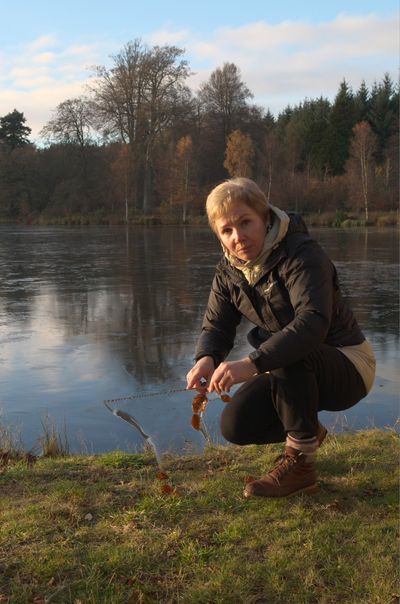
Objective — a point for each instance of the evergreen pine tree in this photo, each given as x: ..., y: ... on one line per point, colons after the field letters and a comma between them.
x: 383, y: 113
x: 341, y: 122
x: 13, y: 132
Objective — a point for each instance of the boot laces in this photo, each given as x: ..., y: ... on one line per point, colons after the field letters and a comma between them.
x: 284, y: 463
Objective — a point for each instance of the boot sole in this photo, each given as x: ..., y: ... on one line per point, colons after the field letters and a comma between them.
x: 310, y: 490
x: 313, y: 488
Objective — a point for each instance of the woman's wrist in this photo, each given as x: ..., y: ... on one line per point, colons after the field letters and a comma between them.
x: 257, y: 358
x: 207, y: 356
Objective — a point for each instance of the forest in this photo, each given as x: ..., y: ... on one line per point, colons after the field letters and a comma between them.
x: 141, y: 147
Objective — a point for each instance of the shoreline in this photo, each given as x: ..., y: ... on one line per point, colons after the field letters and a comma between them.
x: 338, y: 219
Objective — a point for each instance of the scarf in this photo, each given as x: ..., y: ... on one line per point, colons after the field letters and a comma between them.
x: 252, y: 268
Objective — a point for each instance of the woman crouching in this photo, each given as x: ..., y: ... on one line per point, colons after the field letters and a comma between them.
x: 309, y: 352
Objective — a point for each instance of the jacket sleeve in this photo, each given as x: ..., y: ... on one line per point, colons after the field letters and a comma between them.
x: 219, y: 324
x: 308, y: 277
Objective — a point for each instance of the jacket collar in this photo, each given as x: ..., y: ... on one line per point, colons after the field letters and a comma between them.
x: 296, y: 225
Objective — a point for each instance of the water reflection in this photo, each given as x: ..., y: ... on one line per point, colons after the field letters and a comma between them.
x: 93, y: 314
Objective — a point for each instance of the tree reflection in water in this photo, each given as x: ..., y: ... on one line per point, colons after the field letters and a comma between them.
x: 88, y: 314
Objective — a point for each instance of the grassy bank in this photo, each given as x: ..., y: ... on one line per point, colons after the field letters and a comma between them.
x: 101, y: 530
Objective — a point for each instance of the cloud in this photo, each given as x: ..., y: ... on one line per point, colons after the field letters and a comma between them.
x: 45, y: 41
x: 38, y: 75
x: 281, y: 63
x: 284, y: 63
x: 44, y: 57
x: 363, y: 36
x: 162, y: 37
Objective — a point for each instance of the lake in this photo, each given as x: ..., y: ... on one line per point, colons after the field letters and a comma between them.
x: 92, y: 314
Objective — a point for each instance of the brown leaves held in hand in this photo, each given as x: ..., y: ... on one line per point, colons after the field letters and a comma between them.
x: 162, y: 475
x: 196, y: 421
x: 199, y: 403
x: 225, y: 398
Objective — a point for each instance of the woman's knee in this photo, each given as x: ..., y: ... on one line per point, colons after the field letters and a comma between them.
x: 251, y: 425
x: 291, y: 372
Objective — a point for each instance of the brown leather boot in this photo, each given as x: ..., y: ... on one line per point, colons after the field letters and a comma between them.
x: 294, y: 473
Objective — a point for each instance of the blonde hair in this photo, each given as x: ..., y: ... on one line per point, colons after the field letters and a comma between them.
x: 241, y: 189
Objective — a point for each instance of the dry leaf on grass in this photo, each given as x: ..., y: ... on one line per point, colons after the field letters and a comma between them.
x: 162, y: 475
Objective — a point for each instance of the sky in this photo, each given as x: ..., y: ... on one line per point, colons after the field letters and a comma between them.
x: 286, y: 50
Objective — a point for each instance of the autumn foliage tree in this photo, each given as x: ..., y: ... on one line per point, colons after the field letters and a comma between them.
x: 142, y: 146
x: 361, y: 164
x: 239, y: 154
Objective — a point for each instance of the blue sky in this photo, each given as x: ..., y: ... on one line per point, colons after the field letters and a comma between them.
x: 286, y: 50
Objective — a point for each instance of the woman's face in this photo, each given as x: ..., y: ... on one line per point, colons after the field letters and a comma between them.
x: 242, y: 231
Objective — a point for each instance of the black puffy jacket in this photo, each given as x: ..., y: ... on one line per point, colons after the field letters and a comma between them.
x: 295, y: 305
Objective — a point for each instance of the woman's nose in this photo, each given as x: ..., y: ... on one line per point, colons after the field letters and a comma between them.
x: 238, y: 234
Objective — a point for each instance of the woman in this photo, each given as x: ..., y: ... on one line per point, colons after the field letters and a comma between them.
x: 310, y: 354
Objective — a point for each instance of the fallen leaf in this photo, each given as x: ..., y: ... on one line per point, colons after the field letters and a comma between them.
x: 89, y: 516
x: 162, y: 475
x: 167, y: 489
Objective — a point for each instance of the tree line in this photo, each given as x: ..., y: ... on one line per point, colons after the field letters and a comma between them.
x: 141, y: 145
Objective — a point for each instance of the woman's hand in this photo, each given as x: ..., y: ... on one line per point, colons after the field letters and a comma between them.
x: 199, y: 376
x: 230, y: 373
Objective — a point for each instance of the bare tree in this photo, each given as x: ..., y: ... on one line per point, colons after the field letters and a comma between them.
x: 272, y: 156
x: 120, y: 169
x: 225, y: 96
x: 71, y: 124
x: 135, y: 101
x: 184, y: 152
x: 362, y: 148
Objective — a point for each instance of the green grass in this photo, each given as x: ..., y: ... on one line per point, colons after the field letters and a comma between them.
x: 94, y: 530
